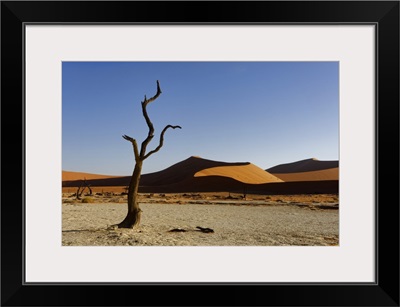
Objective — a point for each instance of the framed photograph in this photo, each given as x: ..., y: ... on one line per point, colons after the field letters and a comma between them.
x: 275, y: 132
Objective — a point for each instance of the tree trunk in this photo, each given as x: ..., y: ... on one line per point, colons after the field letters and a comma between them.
x: 132, y: 219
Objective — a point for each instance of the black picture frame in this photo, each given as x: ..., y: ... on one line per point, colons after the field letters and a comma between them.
x: 383, y: 14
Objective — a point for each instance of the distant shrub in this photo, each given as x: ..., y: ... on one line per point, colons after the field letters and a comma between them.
x: 87, y: 200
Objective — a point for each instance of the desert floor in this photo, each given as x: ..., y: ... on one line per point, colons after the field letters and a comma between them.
x: 258, y: 220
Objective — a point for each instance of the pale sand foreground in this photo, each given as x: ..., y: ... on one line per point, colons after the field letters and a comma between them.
x: 233, y: 225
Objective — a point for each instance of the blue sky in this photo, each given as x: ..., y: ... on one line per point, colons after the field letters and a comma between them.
x: 266, y: 113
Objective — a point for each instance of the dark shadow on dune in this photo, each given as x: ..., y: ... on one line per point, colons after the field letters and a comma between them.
x: 106, y: 182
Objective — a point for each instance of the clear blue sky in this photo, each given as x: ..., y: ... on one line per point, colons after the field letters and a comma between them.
x: 266, y: 113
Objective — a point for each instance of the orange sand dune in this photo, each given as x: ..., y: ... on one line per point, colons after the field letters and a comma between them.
x: 307, y: 165
x: 248, y: 173
x: 307, y: 170
x: 201, y: 175
x: 198, y: 167
x: 182, y: 173
x: 67, y: 176
x: 328, y: 174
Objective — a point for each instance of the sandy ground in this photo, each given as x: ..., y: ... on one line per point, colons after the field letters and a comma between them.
x: 255, y: 221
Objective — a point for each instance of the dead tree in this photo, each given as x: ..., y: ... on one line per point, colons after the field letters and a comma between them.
x: 132, y: 218
x: 83, y: 186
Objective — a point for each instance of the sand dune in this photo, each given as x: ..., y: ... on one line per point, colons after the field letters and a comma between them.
x: 196, y: 174
x: 192, y: 174
x: 186, y: 169
x: 67, y: 176
x: 194, y: 167
x: 248, y: 173
x: 327, y: 174
x: 307, y: 165
x: 179, y: 172
x: 306, y: 170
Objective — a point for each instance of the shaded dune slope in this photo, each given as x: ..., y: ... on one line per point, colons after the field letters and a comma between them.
x: 224, y: 184
x: 307, y: 165
x: 181, y: 171
x: 195, y: 167
x: 306, y: 170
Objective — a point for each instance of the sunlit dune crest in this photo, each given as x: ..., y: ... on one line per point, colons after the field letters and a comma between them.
x: 183, y: 170
x: 248, y: 173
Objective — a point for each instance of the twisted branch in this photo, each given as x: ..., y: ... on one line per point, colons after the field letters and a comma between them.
x: 147, y: 101
x: 135, y: 146
x: 150, y: 135
x: 140, y: 156
x: 161, y: 140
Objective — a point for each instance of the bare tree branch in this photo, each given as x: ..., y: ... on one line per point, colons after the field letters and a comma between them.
x: 147, y: 118
x: 150, y: 135
x: 161, y: 140
x: 147, y: 101
x: 145, y: 143
x: 134, y: 144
